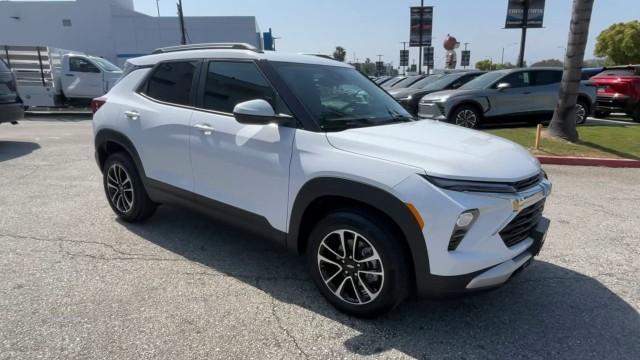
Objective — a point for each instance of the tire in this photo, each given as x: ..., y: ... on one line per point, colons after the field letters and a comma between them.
x: 388, y: 280
x: 582, y: 112
x: 127, y: 198
x: 601, y: 114
x: 466, y: 116
x: 635, y: 115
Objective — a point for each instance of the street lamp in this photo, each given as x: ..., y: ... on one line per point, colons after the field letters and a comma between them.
x: 509, y: 45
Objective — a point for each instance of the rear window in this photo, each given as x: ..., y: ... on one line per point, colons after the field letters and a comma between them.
x: 621, y: 72
x: 3, y: 66
x: 171, y: 82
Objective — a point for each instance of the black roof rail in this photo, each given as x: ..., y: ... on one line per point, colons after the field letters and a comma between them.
x: 207, y: 46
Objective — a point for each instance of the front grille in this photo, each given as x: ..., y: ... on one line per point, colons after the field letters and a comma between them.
x: 521, y: 226
x: 527, y: 183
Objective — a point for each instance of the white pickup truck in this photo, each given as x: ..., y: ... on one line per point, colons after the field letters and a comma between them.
x: 51, y: 77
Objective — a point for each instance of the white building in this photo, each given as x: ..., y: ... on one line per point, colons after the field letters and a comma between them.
x: 112, y: 28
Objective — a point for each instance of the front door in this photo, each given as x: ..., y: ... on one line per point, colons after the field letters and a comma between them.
x: 514, y: 100
x: 83, y: 79
x: 243, y: 166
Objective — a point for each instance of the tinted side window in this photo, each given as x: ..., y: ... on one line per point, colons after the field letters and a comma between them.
x: 82, y: 65
x: 171, y: 82
x: 547, y: 77
x: 230, y: 83
x: 517, y: 80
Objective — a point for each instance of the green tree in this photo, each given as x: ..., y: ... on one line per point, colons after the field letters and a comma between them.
x: 563, y: 123
x: 484, y: 65
x: 340, y: 53
x: 620, y: 43
x: 548, y: 63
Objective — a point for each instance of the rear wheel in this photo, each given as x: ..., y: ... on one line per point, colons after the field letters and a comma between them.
x: 466, y: 116
x: 635, y: 115
x: 582, y: 112
x: 124, y: 189
x: 358, y: 263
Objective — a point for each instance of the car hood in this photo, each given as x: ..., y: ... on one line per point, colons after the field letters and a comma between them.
x: 441, y: 149
x: 447, y: 94
x: 401, y: 93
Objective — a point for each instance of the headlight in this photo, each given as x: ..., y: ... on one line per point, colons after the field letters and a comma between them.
x: 406, y: 98
x: 473, y: 186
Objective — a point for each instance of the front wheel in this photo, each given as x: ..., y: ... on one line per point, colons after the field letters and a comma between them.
x: 358, y: 263
x: 466, y: 116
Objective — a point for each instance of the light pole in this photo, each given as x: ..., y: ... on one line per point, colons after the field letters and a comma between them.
x: 510, y: 45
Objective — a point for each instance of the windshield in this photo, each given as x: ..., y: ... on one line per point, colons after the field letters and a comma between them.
x: 483, y: 81
x: 441, y: 82
x: 339, y: 97
x: 406, y: 82
x: 105, y: 65
x: 426, y: 81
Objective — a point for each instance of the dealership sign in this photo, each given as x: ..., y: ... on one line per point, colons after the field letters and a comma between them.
x: 421, y: 26
x: 466, y: 58
x: 404, y: 57
x: 428, y: 57
x: 516, y: 12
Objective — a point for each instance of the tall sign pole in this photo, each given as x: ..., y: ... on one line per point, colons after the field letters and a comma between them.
x: 183, y: 38
x: 420, y: 47
x: 523, y: 38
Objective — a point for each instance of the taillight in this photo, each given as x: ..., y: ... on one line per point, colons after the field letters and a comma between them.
x: 97, y: 103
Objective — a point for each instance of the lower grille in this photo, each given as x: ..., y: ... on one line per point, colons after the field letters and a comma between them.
x: 521, y: 226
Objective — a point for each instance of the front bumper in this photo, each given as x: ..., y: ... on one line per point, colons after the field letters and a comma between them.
x: 11, y: 112
x: 432, y: 110
x: 486, y: 256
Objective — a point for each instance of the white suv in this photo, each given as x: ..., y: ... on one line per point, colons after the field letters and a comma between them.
x: 310, y: 153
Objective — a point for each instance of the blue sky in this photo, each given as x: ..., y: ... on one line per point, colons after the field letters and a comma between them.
x: 371, y: 27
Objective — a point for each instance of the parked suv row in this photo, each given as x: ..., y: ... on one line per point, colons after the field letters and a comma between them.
x: 505, y: 95
x: 311, y: 154
x: 11, y: 108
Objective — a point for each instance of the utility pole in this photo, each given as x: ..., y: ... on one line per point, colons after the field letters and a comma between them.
x: 379, y: 61
x: 158, y: 7
x: 523, y: 38
x: 420, y: 47
x: 183, y: 38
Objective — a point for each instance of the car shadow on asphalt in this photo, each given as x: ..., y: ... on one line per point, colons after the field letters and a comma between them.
x: 15, y: 149
x: 547, y: 311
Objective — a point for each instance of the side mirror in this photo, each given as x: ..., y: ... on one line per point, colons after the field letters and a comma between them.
x: 503, y: 86
x: 256, y: 112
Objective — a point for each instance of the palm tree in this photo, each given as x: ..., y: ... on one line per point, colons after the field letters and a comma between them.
x: 340, y: 54
x: 563, y: 123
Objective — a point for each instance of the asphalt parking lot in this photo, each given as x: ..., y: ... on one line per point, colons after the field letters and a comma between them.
x: 77, y: 283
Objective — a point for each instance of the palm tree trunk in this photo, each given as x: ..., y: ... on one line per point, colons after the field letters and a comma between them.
x: 563, y: 124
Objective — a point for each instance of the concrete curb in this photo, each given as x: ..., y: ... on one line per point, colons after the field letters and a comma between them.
x: 586, y: 161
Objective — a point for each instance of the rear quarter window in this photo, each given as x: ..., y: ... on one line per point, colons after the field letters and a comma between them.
x: 171, y: 82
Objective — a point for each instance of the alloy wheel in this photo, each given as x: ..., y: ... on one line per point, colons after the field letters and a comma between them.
x: 466, y: 118
x: 120, y: 188
x: 350, y: 267
x: 581, y: 113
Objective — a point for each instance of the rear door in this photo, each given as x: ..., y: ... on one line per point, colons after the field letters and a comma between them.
x: 242, y: 166
x: 82, y: 79
x: 158, y: 117
x: 544, y: 93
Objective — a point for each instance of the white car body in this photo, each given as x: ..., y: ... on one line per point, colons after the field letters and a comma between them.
x: 265, y: 170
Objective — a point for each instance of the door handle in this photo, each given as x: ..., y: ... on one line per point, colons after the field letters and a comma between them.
x: 205, y: 128
x: 132, y: 115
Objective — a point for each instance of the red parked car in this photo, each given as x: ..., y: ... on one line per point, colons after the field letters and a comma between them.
x: 618, y: 91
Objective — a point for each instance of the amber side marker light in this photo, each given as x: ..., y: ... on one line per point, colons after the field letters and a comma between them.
x: 416, y: 214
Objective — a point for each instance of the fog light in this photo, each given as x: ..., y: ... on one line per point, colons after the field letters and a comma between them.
x: 465, y: 219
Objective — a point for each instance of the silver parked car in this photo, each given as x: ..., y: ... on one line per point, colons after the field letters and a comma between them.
x: 505, y: 96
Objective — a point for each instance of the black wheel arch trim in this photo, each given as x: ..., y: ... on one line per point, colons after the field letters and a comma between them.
x: 372, y: 196
x: 105, y: 136
x: 472, y: 103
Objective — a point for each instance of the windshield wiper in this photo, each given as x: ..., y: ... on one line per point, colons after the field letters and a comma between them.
x: 341, y: 124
